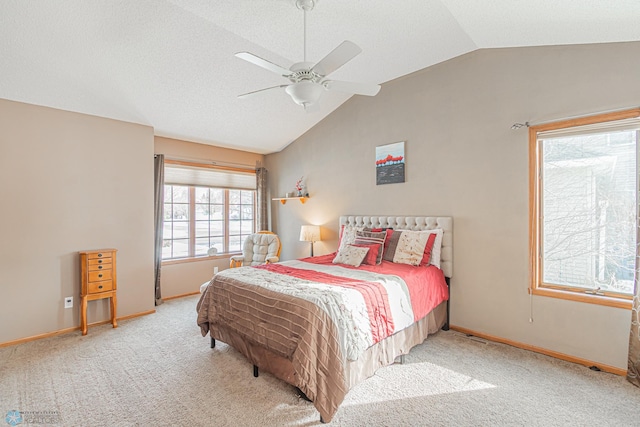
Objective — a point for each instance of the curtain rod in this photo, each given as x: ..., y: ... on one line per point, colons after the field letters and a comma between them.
x: 516, y: 126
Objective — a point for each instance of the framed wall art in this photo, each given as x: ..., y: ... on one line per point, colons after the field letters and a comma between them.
x: 390, y: 163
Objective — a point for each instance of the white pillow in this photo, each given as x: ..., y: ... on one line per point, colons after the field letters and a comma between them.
x: 348, y: 236
x: 351, y: 255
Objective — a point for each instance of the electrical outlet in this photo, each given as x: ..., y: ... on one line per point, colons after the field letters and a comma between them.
x: 68, y: 302
x: 215, y: 270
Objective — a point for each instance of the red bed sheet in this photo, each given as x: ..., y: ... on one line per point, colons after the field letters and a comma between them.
x: 427, y: 285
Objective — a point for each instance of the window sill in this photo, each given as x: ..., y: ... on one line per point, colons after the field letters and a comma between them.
x: 200, y: 258
x: 582, y: 297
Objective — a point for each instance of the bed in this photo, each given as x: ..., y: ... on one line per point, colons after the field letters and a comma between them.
x: 324, y: 326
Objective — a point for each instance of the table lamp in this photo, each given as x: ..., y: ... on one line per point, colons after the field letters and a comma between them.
x: 310, y: 233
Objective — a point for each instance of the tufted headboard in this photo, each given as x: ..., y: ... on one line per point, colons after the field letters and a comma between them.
x: 411, y: 223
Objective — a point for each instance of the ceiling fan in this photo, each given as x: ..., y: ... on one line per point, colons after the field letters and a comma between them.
x: 308, y: 80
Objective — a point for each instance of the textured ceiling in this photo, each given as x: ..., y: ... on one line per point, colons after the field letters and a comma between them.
x: 170, y: 64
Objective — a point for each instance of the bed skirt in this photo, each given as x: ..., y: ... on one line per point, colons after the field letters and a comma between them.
x: 375, y: 357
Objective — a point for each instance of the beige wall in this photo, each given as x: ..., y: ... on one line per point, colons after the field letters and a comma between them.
x: 463, y: 160
x: 185, y: 278
x: 70, y: 182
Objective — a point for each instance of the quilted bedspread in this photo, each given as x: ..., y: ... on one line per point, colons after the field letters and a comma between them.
x: 318, y: 315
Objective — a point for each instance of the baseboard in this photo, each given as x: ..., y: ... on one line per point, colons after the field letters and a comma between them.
x: 180, y: 296
x: 128, y: 316
x: 67, y: 330
x: 557, y: 355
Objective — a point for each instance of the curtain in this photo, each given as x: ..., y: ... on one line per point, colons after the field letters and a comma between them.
x: 633, y: 369
x: 261, y: 185
x: 158, y: 197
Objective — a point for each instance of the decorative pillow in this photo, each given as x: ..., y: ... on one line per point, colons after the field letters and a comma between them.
x: 347, y: 235
x: 351, y: 255
x: 372, y: 255
x: 436, y: 251
x: 428, y: 249
x: 389, y: 232
x: 407, y: 247
x: 370, y: 237
x: 391, y: 245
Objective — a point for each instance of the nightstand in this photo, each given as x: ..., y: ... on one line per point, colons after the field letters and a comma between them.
x: 98, y: 276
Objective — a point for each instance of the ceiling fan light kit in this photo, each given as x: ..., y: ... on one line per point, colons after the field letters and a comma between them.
x: 305, y: 92
x: 308, y: 81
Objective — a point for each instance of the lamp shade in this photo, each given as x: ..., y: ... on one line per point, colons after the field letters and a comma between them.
x: 310, y: 233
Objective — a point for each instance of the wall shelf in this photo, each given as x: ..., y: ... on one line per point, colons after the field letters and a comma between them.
x: 283, y: 200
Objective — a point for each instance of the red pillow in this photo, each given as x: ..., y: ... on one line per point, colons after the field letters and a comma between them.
x: 372, y: 255
x: 427, y: 249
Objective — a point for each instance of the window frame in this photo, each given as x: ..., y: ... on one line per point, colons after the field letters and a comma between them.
x: 536, y: 285
x: 185, y: 181
x: 226, y: 225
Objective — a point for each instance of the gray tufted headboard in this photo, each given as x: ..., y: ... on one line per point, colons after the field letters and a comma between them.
x: 412, y: 223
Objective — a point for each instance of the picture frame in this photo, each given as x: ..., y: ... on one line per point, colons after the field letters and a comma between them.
x: 390, y: 163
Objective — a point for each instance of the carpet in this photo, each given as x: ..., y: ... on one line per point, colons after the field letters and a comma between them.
x: 158, y: 370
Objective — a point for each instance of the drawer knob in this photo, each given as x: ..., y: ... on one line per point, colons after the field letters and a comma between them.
x: 99, y: 261
x: 99, y: 267
x: 99, y: 255
x: 99, y: 275
x: 100, y: 287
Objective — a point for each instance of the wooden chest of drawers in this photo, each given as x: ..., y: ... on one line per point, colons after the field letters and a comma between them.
x: 98, y: 277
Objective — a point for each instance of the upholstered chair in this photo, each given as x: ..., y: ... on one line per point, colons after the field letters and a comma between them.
x: 262, y: 247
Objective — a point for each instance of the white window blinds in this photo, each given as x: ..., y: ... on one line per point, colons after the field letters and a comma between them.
x: 178, y: 173
x: 593, y: 128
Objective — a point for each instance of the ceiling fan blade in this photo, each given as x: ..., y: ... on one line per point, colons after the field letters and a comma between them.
x: 368, y: 89
x: 245, y: 95
x: 339, y: 56
x: 260, y: 62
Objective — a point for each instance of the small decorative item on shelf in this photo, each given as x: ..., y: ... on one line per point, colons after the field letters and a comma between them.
x: 299, y: 187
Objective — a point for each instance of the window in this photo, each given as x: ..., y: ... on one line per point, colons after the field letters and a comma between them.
x: 198, y: 217
x: 583, y: 192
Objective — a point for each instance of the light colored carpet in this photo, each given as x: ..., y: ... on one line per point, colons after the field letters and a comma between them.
x: 158, y: 370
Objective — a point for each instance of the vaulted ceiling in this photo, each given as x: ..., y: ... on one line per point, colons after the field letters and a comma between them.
x: 170, y: 64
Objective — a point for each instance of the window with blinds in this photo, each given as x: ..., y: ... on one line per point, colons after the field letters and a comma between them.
x: 206, y: 207
x: 584, y: 186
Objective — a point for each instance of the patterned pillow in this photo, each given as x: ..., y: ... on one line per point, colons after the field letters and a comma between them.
x: 372, y: 238
x: 351, y: 255
x: 390, y: 246
x: 372, y: 255
x: 389, y: 232
x: 347, y: 235
x: 407, y: 247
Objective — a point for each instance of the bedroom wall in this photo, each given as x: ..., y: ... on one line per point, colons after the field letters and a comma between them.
x: 185, y: 277
x: 464, y: 161
x: 70, y: 182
